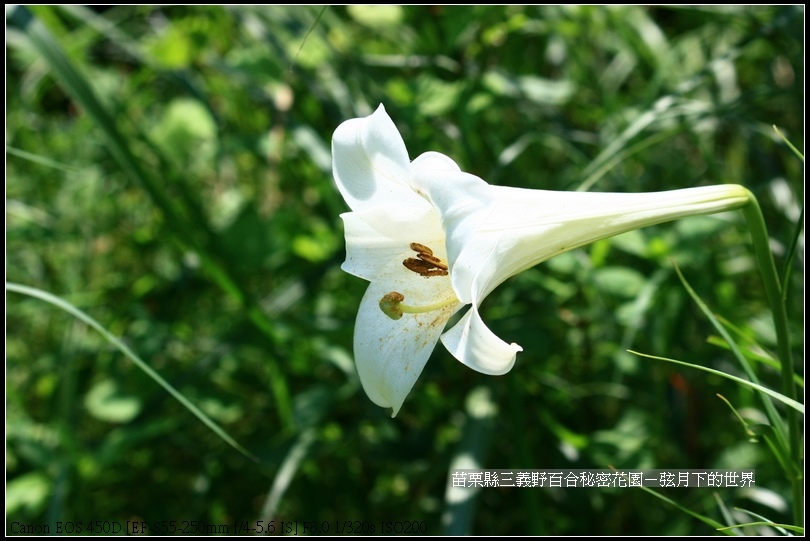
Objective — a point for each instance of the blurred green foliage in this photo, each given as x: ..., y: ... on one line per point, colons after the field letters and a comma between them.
x: 224, y: 273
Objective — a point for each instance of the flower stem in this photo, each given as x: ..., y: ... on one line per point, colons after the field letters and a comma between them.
x: 773, y: 290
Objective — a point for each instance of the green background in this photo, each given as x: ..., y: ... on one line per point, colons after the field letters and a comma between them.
x: 191, y: 211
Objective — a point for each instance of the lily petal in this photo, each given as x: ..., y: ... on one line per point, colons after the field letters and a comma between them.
x: 376, y: 237
x: 536, y: 225
x: 389, y: 354
x: 476, y: 346
x: 472, y: 342
x: 370, y: 164
x: 464, y: 201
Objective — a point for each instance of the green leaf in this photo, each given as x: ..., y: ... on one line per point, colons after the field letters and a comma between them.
x: 105, y: 401
x: 27, y: 493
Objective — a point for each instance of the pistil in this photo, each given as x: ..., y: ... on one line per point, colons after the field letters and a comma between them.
x: 392, y: 306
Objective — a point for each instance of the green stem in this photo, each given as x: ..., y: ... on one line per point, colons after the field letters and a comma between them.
x: 773, y: 290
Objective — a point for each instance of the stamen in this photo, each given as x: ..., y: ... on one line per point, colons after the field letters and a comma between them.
x: 424, y: 268
x: 425, y: 263
x: 435, y: 261
x: 421, y: 248
x: 392, y: 306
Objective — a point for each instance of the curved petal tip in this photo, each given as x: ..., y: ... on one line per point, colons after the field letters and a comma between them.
x: 370, y: 162
x: 475, y: 345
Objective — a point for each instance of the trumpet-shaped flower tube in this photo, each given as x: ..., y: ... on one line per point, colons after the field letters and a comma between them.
x: 431, y: 239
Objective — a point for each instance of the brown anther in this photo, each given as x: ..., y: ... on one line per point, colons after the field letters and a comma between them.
x: 424, y: 268
x: 417, y: 265
x: 421, y: 248
x: 433, y: 260
x: 425, y: 263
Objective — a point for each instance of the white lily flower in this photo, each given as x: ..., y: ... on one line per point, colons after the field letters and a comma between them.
x: 431, y: 239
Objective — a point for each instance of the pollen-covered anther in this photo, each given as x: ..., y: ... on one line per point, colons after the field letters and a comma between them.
x: 425, y: 263
x: 424, y: 268
x: 421, y: 248
x: 432, y: 259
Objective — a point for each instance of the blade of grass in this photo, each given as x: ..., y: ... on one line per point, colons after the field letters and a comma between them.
x: 799, y: 225
x: 750, y: 433
x: 779, y: 527
x: 286, y: 473
x: 788, y: 143
x: 776, y: 420
x: 792, y: 255
x: 778, y: 396
x: 726, y: 513
x: 754, y: 356
x: 797, y: 529
x: 773, y: 290
x: 306, y: 36
x: 148, y: 370
x: 706, y: 520
x: 41, y: 160
x: 765, y: 432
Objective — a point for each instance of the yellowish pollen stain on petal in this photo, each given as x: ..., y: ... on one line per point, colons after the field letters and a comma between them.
x: 440, y: 319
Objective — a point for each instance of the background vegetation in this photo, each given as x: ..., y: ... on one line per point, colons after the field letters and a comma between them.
x: 191, y: 211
